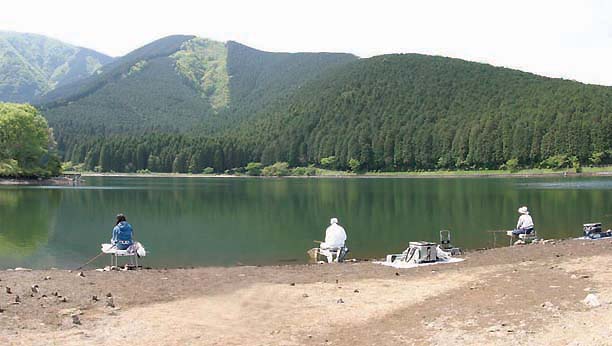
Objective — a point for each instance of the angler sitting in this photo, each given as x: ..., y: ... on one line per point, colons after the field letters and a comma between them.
x: 335, y: 236
x: 122, y: 234
x: 525, y: 222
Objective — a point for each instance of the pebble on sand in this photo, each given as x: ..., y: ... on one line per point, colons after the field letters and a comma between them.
x: 110, y: 302
x: 591, y: 300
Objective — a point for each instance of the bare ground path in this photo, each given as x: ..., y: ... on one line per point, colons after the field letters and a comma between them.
x: 530, y: 295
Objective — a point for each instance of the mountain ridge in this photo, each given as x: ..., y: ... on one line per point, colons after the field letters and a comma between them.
x: 214, y: 83
x: 182, y: 103
x: 32, y: 64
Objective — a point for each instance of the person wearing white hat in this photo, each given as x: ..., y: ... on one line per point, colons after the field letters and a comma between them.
x: 335, y: 236
x: 525, y: 222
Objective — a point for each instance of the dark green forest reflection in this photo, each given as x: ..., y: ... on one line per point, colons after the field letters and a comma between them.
x: 185, y: 222
x: 27, y: 220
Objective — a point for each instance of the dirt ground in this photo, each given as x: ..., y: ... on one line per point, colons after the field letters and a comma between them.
x: 523, y: 295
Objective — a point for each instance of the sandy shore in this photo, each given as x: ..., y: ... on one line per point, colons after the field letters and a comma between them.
x: 526, y: 295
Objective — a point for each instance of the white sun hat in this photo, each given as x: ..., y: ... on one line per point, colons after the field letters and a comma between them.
x: 523, y: 210
x: 333, y: 221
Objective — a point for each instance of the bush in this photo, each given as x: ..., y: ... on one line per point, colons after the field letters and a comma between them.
x: 511, y: 165
x: 143, y: 171
x: 9, y: 168
x: 556, y: 162
x: 208, y: 170
x: 79, y: 168
x: 67, y: 166
x: 304, y: 171
x: 329, y: 162
x: 279, y: 169
x: 253, y: 168
x: 576, y: 164
x: 354, y: 165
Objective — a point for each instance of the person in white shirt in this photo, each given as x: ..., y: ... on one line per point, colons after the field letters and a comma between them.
x: 525, y: 222
x: 335, y: 236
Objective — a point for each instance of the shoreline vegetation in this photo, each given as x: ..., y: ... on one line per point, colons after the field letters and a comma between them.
x: 67, y: 177
x: 321, y: 173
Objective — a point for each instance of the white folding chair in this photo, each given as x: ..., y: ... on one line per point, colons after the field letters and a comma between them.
x: 115, y: 254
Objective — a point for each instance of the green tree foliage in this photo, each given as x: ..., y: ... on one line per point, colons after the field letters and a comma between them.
x: 512, y: 165
x: 181, y: 84
x: 354, y: 165
x: 27, y: 147
x: 179, y: 165
x: 310, y: 171
x: 204, y: 64
x: 253, y: 168
x: 329, y: 162
x: 278, y: 169
x: 415, y: 112
x: 557, y: 162
x: 387, y: 113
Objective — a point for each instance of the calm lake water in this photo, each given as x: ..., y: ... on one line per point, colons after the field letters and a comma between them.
x: 224, y: 221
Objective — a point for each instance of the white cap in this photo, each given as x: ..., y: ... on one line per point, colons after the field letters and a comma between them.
x: 523, y: 210
x: 333, y: 221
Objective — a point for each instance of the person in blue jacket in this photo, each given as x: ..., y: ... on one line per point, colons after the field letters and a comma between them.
x: 123, y: 234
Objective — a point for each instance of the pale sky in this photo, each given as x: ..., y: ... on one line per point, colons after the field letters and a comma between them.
x: 568, y: 39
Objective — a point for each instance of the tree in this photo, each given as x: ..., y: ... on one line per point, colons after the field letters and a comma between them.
x: 329, y: 162
x: 278, y: 169
x: 195, y: 166
x: 105, y: 158
x: 153, y: 163
x: 141, y: 157
x: 354, y: 165
x: 512, y: 165
x: 253, y: 168
x: 27, y: 146
x: 180, y: 163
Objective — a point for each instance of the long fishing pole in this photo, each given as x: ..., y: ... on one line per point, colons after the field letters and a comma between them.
x: 94, y: 258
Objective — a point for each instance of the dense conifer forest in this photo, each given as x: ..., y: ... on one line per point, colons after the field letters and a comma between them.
x: 391, y: 113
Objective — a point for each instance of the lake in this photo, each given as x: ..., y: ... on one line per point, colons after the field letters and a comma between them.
x: 227, y: 221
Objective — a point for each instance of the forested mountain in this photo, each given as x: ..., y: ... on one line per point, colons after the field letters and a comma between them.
x: 31, y: 65
x: 180, y: 84
x: 406, y: 112
x: 184, y: 103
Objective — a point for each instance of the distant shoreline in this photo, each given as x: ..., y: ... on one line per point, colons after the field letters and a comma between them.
x: 62, y: 180
x: 409, y: 175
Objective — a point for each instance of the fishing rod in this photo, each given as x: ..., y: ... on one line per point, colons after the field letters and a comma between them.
x: 94, y: 258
